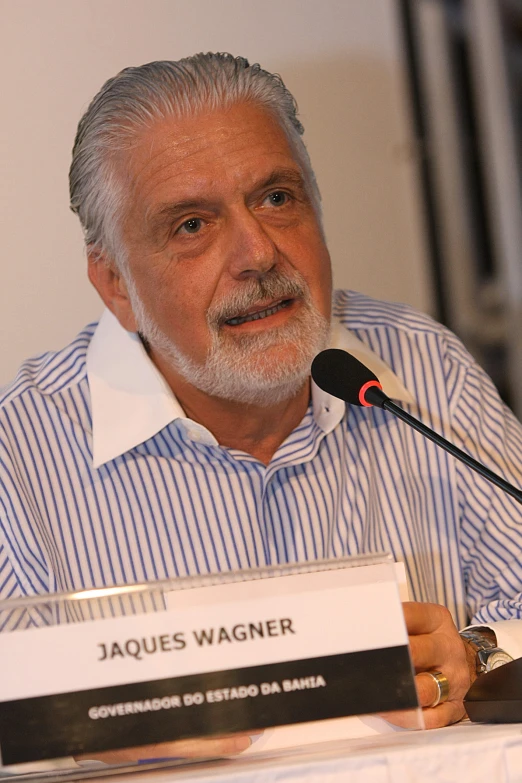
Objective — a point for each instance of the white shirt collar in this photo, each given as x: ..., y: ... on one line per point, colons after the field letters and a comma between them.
x: 131, y: 401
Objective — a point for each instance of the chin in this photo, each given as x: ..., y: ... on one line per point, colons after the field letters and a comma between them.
x: 264, y: 395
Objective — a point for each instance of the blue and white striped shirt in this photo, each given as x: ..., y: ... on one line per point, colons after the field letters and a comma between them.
x: 103, y: 480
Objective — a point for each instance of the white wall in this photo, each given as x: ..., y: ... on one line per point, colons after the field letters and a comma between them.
x: 341, y: 58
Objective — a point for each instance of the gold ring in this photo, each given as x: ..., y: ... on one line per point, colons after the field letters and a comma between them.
x: 443, y: 688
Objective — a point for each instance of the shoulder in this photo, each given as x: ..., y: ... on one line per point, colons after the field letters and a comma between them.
x: 427, y: 357
x: 50, y: 372
x: 389, y: 328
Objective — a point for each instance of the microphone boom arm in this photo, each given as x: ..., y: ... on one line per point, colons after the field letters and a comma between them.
x: 377, y: 397
x: 342, y: 375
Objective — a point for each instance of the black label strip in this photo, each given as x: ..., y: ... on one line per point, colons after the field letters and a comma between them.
x: 198, y: 705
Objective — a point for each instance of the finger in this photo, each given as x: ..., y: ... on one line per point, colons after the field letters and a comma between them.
x: 444, y: 714
x: 424, y: 652
x: 435, y: 718
x: 427, y: 689
x: 424, y: 618
x: 405, y: 719
x: 189, y: 748
x: 431, y: 651
x: 213, y: 746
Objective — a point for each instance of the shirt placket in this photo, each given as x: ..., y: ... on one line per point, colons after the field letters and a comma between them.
x: 301, y: 447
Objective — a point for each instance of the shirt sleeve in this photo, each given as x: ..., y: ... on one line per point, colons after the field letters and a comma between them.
x: 509, y: 636
x: 8, y: 581
x: 15, y: 619
x: 490, y: 519
x: 13, y: 581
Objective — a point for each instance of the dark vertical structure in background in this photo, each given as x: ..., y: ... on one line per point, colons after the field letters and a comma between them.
x: 418, y: 111
x: 464, y: 65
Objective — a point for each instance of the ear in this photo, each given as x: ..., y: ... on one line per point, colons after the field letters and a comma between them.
x: 108, y: 281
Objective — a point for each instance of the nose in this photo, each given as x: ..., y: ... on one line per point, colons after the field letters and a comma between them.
x: 252, y: 251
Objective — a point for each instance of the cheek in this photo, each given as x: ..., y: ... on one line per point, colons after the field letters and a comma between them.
x: 178, y: 300
x: 318, y: 274
x: 310, y: 256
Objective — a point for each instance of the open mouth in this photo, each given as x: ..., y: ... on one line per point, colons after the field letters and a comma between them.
x: 258, y: 315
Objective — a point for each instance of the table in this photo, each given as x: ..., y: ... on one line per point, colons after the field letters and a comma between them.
x: 465, y: 753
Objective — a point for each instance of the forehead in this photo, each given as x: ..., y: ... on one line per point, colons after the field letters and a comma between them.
x: 229, y: 148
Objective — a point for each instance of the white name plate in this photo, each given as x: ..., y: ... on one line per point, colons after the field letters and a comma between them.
x: 239, y: 656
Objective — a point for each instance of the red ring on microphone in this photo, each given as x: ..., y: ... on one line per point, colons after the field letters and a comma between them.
x: 364, y: 389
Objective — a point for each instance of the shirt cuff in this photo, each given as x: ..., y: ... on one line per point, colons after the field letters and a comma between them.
x: 508, y: 633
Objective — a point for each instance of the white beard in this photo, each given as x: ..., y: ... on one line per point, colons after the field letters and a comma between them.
x: 239, y: 367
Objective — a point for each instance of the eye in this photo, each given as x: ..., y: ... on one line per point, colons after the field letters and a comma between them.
x: 191, y: 226
x: 277, y: 198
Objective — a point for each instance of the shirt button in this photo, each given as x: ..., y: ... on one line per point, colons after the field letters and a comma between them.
x: 195, y: 435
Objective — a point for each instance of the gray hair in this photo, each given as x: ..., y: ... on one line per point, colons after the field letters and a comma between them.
x: 139, y: 96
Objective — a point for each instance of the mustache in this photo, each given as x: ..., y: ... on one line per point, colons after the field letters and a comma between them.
x: 272, y: 286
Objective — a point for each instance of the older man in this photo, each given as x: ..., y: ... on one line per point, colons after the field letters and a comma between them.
x: 181, y: 434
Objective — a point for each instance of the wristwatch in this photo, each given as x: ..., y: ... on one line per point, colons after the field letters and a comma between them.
x: 489, y: 656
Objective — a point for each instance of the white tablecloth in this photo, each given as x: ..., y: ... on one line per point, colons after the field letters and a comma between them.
x: 466, y: 753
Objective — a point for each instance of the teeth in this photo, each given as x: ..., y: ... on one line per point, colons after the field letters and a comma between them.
x: 257, y: 316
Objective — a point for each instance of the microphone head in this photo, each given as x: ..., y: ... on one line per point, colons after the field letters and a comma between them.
x: 342, y: 375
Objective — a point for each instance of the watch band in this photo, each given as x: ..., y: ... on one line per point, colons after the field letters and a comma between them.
x: 488, y: 655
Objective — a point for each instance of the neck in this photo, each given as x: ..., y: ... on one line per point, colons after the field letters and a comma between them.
x: 255, y: 429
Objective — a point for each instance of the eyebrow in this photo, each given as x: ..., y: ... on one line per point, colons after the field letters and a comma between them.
x: 167, y: 213
x: 283, y: 176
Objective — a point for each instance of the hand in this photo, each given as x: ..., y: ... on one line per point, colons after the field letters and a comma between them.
x: 187, y: 748
x: 436, y: 646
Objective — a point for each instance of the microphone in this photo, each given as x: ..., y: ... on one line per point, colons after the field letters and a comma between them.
x: 342, y: 375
